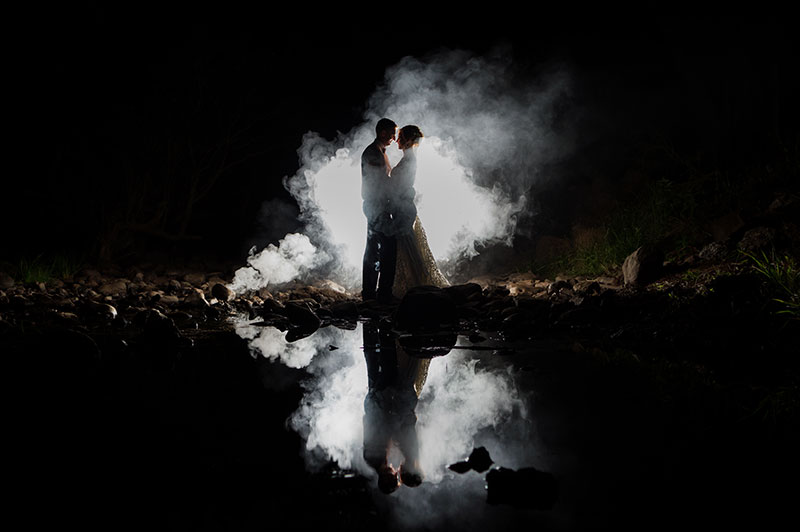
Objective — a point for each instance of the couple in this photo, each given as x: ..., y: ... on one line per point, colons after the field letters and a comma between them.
x: 397, y: 258
x: 397, y: 255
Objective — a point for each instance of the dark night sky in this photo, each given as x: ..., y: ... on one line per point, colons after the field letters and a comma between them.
x: 100, y: 93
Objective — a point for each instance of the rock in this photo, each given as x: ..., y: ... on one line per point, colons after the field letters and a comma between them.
x: 757, y: 239
x: 523, y: 488
x: 426, y: 307
x: 264, y: 293
x: 271, y: 306
x: 195, y: 279
x: 588, y: 287
x: 521, y: 284
x: 642, y: 266
x: 103, y: 311
x: 114, y: 288
x: 345, y: 310
x: 302, y: 317
x: 479, y: 460
x: 180, y: 317
x: 296, y: 333
x: 6, y: 281
x: 279, y: 321
x: 558, y: 286
x: 460, y: 467
x: 195, y: 298
x: 67, y: 319
x: 329, y: 285
x: 713, y: 251
x: 461, y: 293
x: 158, y: 327
x: 169, y: 299
x: 517, y: 322
x: 221, y: 292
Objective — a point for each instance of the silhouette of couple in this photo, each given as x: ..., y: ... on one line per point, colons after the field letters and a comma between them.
x: 397, y: 256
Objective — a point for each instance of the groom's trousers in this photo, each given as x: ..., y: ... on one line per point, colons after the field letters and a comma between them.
x: 379, y: 266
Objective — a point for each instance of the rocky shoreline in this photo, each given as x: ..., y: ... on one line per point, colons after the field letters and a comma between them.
x: 711, y: 315
x: 134, y: 372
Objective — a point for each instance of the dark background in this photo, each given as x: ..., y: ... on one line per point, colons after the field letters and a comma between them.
x: 120, y: 115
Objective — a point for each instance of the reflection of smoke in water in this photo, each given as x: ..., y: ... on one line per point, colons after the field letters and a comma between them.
x: 486, y: 143
x: 459, y: 399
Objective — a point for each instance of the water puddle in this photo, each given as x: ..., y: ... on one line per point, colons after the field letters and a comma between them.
x: 400, y: 410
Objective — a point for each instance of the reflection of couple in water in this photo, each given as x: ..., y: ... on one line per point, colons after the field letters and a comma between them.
x: 397, y: 257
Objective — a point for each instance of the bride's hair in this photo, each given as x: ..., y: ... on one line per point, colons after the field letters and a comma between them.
x: 412, y: 134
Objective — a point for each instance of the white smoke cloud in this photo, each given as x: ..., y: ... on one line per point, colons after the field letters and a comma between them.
x: 490, y: 135
x: 292, y: 258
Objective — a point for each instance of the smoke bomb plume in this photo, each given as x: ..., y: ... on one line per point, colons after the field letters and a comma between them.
x: 490, y: 135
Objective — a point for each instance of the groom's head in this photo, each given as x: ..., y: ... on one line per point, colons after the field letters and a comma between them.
x: 385, y: 131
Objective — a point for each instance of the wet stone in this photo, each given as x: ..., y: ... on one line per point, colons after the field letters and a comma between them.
x: 196, y: 298
x: 426, y: 307
x: 302, y: 317
x: 460, y: 467
x: 344, y: 310
x: 221, y: 292
x: 157, y: 326
x: 464, y: 292
x: 479, y: 459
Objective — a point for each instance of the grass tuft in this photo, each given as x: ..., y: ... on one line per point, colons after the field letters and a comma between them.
x: 42, y: 269
x: 783, y: 277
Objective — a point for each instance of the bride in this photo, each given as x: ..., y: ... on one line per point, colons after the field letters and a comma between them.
x: 416, y: 265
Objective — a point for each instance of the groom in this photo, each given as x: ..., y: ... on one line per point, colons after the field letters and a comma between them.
x: 380, y: 255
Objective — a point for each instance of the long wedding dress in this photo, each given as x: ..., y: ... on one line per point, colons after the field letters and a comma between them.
x: 416, y: 265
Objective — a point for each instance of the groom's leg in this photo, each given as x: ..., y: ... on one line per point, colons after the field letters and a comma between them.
x: 388, y: 259
x: 369, y: 276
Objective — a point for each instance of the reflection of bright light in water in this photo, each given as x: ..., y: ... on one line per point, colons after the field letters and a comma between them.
x: 330, y: 415
x: 459, y: 399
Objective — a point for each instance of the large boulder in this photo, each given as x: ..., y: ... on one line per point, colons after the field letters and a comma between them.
x: 643, y: 266
x: 302, y: 317
x: 426, y: 308
x: 461, y: 293
x: 344, y: 310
